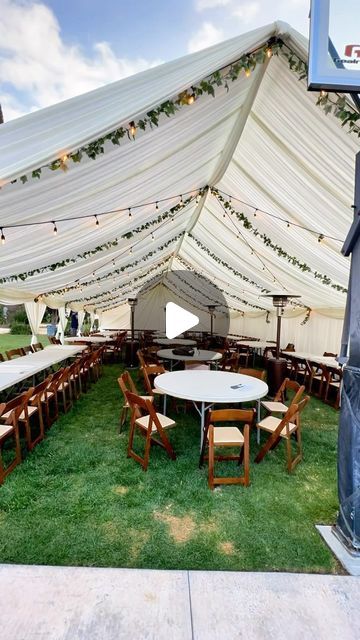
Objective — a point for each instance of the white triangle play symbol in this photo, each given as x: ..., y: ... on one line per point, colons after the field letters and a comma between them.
x: 178, y: 320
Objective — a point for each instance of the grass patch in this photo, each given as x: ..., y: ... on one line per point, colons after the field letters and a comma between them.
x: 78, y: 500
x: 8, y: 341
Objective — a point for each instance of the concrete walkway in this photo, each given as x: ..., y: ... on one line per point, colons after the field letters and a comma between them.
x: 74, y: 603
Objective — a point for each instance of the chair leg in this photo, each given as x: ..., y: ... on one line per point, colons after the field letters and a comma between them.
x: 123, y: 415
x: 211, y: 458
x: 246, y: 452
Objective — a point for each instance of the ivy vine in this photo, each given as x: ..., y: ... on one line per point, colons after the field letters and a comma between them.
x: 247, y: 224
x: 339, y: 107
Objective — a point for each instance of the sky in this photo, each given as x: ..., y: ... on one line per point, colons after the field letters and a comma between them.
x: 51, y: 50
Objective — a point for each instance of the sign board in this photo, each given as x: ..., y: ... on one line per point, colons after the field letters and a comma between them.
x: 334, y: 53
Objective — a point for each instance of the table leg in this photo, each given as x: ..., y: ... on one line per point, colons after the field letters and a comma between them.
x: 258, y: 420
x: 202, y: 423
x: 164, y: 405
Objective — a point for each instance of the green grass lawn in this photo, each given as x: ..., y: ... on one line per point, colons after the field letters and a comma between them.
x: 78, y: 500
x: 8, y: 341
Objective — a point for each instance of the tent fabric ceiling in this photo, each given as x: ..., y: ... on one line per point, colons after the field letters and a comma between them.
x: 264, y: 142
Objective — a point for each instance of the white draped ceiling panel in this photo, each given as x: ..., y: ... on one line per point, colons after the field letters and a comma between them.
x: 265, y: 142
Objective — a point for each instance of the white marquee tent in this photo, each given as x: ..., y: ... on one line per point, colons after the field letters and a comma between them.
x: 288, y: 167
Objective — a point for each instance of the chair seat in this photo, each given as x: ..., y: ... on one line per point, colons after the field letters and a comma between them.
x: 31, y: 410
x: 5, y: 430
x: 274, y: 407
x: 334, y: 384
x: 165, y: 422
x: 159, y: 392
x: 151, y: 398
x: 230, y: 436
x: 270, y: 423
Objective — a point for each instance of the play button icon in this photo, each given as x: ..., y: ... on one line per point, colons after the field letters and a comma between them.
x: 178, y: 320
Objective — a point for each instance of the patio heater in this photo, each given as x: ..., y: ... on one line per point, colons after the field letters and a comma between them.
x: 211, y: 309
x: 276, y: 367
x: 130, y: 356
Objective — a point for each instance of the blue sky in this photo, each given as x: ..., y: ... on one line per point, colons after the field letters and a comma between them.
x: 51, y: 50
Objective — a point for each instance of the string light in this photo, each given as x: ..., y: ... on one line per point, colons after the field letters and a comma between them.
x: 321, y: 237
x: 130, y: 250
x: 96, y: 220
x: 191, y: 98
x: 181, y: 202
x: 197, y: 198
x: 113, y: 262
x: 255, y: 213
x: 157, y: 206
x: 247, y: 72
x: 132, y: 126
x: 129, y: 210
x: 152, y: 236
x: 323, y: 93
x: 2, y: 237
x: 288, y: 224
x: 55, y: 229
x: 269, y: 52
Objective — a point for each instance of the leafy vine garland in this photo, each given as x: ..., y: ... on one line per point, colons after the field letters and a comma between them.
x: 105, y: 246
x: 226, y: 265
x: 247, y: 224
x: 340, y: 107
x: 118, y: 270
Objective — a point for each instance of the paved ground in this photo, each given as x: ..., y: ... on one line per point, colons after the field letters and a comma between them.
x: 74, y: 603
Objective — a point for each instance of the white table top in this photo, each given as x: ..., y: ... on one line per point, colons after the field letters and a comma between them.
x: 256, y: 344
x: 211, y: 386
x: 175, y: 341
x: 89, y: 339
x: 305, y: 355
x: 14, y: 371
x: 200, y: 355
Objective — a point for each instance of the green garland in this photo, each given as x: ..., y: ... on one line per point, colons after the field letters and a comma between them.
x: 129, y: 286
x: 118, y: 270
x: 247, y: 224
x: 340, y: 107
x: 169, y: 214
x: 227, y: 266
x: 231, y: 295
x: 96, y: 296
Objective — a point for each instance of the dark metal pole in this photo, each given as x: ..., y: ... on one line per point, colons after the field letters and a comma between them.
x: 278, y: 332
x: 211, y: 323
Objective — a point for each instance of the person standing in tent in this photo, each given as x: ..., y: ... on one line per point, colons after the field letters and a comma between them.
x: 74, y: 323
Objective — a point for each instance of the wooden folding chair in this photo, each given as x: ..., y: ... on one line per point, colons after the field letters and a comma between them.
x: 9, y: 428
x: 37, y: 347
x: 149, y: 425
x: 227, y: 436
x: 230, y: 362
x: 61, y: 384
x: 150, y: 372
x: 28, y: 349
x: 144, y: 362
x: 126, y: 383
x: 14, y: 353
x: 25, y: 418
x: 284, y: 428
x: 333, y: 383
x: 254, y: 373
x: 278, y: 404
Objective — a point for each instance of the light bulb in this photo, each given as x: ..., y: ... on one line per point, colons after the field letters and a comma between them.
x: 247, y: 72
x: 269, y: 52
x: 96, y: 221
x: 55, y: 229
x: 2, y: 237
x: 191, y: 98
x: 157, y: 206
x: 132, y: 128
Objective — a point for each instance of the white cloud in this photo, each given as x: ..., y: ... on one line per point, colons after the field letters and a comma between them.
x: 247, y: 11
x: 202, y: 5
x: 207, y: 35
x: 37, y: 64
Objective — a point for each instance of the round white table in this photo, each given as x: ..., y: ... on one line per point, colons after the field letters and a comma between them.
x: 166, y: 342
x: 200, y: 355
x: 211, y: 387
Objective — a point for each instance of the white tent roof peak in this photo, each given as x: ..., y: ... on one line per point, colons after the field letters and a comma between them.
x: 261, y: 142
